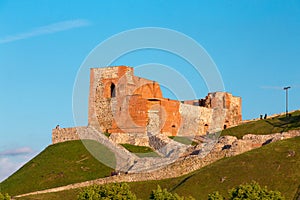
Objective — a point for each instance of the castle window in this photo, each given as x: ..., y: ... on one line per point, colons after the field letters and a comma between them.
x: 174, y: 132
x: 112, y: 90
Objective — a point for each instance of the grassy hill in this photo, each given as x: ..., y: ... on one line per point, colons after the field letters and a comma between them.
x: 70, y: 162
x: 57, y: 165
x: 266, y: 126
x: 271, y: 165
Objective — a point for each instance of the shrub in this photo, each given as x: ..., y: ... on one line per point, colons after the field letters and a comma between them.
x: 163, y: 194
x: 251, y: 191
x: 254, y: 191
x: 215, y: 196
x: 116, y: 191
x: 4, y: 196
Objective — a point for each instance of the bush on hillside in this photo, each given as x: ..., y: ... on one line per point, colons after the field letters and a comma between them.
x: 4, y: 196
x: 163, y: 194
x: 254, y: 191
x: 116, y: 191
x: 251, y: 191
x: 215, y: 196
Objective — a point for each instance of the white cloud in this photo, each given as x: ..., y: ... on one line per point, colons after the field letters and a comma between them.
x: 48, y: 29
x: 11, y: 160
x: 16, y: 152
x: 7, y: 167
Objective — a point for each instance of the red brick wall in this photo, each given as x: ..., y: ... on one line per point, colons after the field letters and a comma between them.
x: 131, y: 115
x: 172, y: 116
x: 135, y: 96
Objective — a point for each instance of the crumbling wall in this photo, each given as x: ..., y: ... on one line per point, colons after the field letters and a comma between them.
x: 118, y: 99
x: 65, y: 134
x: 234, y: 114
x: 195, y: 120
x: 129, y: 115
x: 119, y: 103
x: 226, y: 107
x: 172, y: 117
x: 101, y: 80
x: 139, y: 139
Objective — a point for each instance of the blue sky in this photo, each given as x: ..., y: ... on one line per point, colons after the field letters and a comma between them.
x: 255, y: 45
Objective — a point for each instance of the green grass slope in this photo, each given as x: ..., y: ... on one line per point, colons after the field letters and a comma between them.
x: 266, y: 126
x: 57, y: 165
x: 140, y: 151
x: 183, y: 140
x: 273, y: 165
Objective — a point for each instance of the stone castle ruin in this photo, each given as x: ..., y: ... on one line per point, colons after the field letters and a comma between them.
x: 129, y: 108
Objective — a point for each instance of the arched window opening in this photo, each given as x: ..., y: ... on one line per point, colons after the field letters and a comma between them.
x: 112, y: 90
x: 174, y: 132
x: 225, y: 126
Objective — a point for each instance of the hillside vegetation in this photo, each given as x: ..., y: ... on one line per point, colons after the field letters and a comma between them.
x: 275, y: 165
x: 140, y: 151
x: 266, y: 126
x: 272, y: 165
x: 58, y: 165
x: 183, y: 140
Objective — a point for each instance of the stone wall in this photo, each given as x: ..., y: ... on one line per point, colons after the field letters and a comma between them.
x: 118, y: 99
x: 226, y: 107
x: 171, y: 117
x: 139, y: 139
x: 234, y: 146
x: 196, y: 120
x: 101, y: 80
x: 65, y: 134
x: 183, y: 165
x: 119, y: 102
x: 230, y: 104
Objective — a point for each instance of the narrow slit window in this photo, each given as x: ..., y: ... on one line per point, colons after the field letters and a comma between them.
x: 112, y: 90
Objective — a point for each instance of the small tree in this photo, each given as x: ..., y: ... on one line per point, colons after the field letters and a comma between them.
x: 116, y: 191
x: 254, y: 191
x: 251, y: 191
x: 4, y: 196
x: 163, y: 194
x: 215, y: 196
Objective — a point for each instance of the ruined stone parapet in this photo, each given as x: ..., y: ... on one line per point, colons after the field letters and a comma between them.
x: 65, y: 134
x: 196, y: 120
x: 233, y: 146
x: 139, y: 139
x: 120, y: 103
x: 182, y: 166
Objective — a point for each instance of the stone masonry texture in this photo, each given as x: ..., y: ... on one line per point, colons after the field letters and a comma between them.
x: 226, y: 146
x: 121, y: 104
